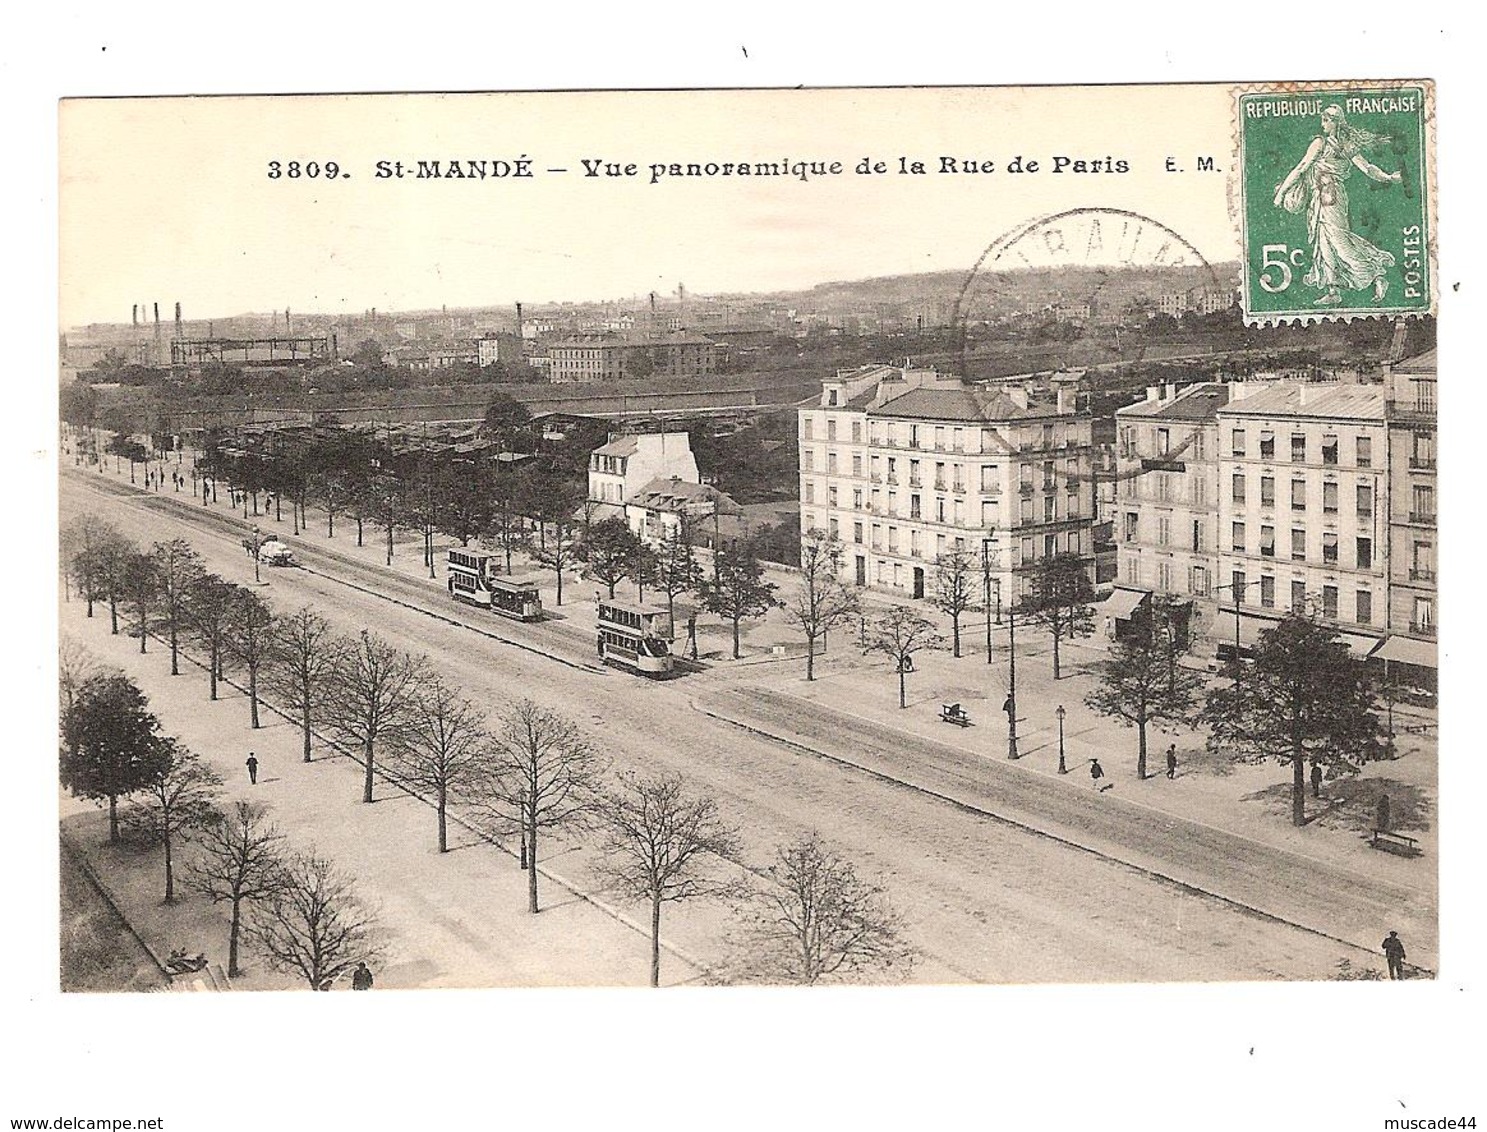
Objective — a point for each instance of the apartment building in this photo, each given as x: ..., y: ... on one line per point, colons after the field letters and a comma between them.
x: 1166, y: 491
x: 1303, y: 509
x: 905, y: 466
x: 1412, y: 614
x: 609, y: 357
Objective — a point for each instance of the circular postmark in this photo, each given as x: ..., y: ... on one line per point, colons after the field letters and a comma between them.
x: 1082, y: 275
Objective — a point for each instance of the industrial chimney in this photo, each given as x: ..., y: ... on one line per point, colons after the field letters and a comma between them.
x: 518, y: 320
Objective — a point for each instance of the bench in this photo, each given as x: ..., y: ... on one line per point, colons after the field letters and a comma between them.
x: 1401, y: 843
x: 952, y: 713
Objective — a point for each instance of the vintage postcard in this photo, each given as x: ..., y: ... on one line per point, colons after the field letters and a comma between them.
x: 972, y: 535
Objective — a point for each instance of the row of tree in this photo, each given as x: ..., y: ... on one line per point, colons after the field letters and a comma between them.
x: 528, y: 772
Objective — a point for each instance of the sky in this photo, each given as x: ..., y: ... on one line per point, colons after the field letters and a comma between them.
x: 166, y: 200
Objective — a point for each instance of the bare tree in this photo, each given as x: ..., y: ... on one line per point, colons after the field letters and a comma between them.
x: 441, y: 747
x: 178, y: 799
x: 178, y: 567
x: 240, y: 862
x: 955, y: 589
x: 250, y: 642
x: 559, y: 548
x: 898, y: 635
x: 659, y: 847
x: 306, y: 653
x: 540, y: 775
x: 818, y: 919
x: 313, y: 924
x: 210, y: 607
x: 821, y: 600
x: 376, y: 686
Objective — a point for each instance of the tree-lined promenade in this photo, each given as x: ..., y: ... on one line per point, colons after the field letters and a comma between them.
x: 1038, y: 661
x: 518, y: 769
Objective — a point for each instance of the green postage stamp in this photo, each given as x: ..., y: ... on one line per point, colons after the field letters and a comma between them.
x: 1336, y: 182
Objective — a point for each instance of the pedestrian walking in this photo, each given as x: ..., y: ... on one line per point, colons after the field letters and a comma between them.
x: 361, y: 978
x: 252, y: 765
x: 1316, y: 780
x: 1394, y: 953
x: 1096, y: 772
x: 1382, y: 815
x: 1172, y: 760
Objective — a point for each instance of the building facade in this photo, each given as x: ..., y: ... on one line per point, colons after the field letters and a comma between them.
x: 908, y: 466
x: 619, y: 469
x: 1413, y: 542
x: 1166, y: 491
x: 609, y: 357
x: 1303, y: 507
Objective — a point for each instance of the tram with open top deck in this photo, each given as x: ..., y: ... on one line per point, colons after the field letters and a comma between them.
x: 635, y: 637
x: 474, y: 576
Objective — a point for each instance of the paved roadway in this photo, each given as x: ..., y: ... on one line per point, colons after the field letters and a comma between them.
x: 984, y: 899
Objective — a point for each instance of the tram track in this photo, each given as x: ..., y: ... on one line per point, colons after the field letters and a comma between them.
x: 233, y: 528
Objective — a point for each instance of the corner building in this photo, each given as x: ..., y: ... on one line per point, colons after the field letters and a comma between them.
x: 905, y: 466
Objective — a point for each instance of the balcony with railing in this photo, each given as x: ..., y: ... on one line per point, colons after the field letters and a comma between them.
x: 1422, y: 628
x: 1423, y: 518
x: 1420, y: 575
x: 1422, y: 463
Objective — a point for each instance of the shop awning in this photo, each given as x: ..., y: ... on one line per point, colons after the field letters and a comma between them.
x: 1122, y: 603
x: 1222, y: 630
x: 1359, y: 645
x: 1251, y: 629
x: 1407, y: 650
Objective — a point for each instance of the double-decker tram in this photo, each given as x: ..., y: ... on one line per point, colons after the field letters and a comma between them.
x: 473, y: 577
x: 636, y: 637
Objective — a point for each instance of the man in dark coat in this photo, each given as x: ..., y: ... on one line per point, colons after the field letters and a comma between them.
x: 1096, y: 772
x: 252, y: 765
x: 1394, y: 953
x: 361, y: 978
x: 1316, y: 780
x: 1172, y: 760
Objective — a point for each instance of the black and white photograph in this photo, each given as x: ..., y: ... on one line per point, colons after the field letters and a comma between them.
x: 780, y: 554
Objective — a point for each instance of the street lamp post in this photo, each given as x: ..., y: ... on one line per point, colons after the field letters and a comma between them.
x: 1011, y: 704
x: 1238, y: 589
x: 1060, y: 713
x: 986, y: 594
x: 256, y: 577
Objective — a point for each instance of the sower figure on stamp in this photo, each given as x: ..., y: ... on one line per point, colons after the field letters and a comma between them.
x: 1394, y: 953
x: 1318, y: 186
x: 252, y: 765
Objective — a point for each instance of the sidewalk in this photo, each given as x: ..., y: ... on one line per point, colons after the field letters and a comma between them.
x: 450, y: 920
x: 1250, y: 800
